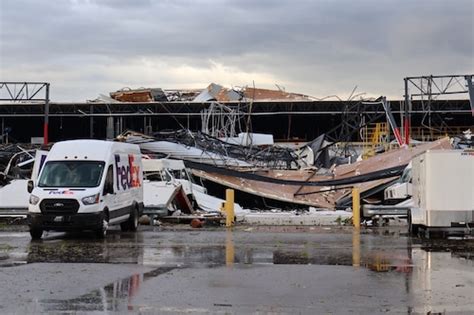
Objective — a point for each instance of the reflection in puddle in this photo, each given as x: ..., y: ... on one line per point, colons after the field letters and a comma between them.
x: 84, y: 249
x: 115, y: 297
x: 385, y: 263
x: 380, y: 262
x: 229, y: 249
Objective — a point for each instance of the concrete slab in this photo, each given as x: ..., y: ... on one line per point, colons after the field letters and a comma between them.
x: 291, y: 218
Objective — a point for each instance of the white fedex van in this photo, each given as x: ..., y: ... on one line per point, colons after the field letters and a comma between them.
x: 87, y: 185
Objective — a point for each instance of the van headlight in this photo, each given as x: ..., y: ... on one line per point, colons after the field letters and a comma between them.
x: 34, y: 200
x: 90, y: 200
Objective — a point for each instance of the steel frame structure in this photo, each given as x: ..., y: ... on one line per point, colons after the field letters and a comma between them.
x: 31, y: 99
x: 428, y: 89
x: 19, y: 92
x: 356, y: 115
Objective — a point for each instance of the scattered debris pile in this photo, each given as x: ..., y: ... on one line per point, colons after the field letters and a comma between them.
x: 312, y: 187
x: 170, y: 194
x: 144, y: 95
x: 464, y: 140
x: 202, y: 148
x: 16, y: 161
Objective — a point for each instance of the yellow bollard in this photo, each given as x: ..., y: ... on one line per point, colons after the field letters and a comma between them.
x: 356, y: 207
x: 229, y: 207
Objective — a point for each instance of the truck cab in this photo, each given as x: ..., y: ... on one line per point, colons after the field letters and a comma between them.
x: 87, y: 185
x: 402, y: 189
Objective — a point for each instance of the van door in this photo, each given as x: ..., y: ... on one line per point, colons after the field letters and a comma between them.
x: 123, y: 187
x: 109, y: 194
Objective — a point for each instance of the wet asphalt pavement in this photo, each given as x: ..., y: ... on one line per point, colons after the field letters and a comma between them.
x: 309, y: 270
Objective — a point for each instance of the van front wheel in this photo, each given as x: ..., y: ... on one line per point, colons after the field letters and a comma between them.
x: 102, y: 231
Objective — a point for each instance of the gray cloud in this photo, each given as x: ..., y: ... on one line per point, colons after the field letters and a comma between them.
x: 316, y: 47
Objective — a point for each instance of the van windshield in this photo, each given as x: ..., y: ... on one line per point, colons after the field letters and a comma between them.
x: 71, y: 174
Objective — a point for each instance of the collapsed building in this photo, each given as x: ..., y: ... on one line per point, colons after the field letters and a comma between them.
x: 277, y: 145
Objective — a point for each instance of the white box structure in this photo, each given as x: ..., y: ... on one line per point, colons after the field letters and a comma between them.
x: 443, y: 188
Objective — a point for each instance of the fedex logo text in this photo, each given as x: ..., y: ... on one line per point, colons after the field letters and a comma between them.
x: 61, y: 192
x: 128, y: 172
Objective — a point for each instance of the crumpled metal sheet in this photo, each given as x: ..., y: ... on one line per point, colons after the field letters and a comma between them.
x: 323, y: 197
x: 216, y: 92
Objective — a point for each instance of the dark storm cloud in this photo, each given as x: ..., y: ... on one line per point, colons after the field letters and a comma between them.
x: 318, y: 47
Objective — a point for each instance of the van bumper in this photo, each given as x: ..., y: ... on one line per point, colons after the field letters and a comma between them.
x: 78, y: 221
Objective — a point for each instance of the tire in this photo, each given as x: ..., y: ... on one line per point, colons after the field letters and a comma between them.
x: 101, y: 232
x: 413, y: 229
x: 36, y: 233
x: 132, y: 223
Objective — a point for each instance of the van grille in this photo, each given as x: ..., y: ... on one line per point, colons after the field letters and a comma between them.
x: 59, y: 206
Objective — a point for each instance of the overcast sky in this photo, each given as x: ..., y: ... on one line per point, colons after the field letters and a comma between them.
x: 87, y: 47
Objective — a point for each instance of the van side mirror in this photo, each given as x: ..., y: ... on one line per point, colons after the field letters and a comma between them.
x: 30, y: 186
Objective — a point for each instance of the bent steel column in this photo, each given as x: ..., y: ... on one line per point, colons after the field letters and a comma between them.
x: 406, y: 118
x: 46, y: 117
x: 470, y: 88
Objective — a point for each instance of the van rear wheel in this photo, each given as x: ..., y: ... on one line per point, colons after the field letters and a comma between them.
x: 132, y: 223
x: 36, y: 233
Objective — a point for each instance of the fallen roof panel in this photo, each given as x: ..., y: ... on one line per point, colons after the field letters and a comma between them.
x: 321, y: 196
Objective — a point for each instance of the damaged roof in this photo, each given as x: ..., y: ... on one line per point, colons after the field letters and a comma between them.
x: 272, y: 95
x: 139, y: 95
x: 213, y: 92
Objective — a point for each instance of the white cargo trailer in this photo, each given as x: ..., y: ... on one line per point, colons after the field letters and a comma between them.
x: 443, y: 192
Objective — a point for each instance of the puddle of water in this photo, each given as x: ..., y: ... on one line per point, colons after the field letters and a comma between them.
x: 374, y: 252
x: 420, y: 263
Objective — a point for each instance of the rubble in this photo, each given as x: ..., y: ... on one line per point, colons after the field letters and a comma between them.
x: 304, y: 187
x: 170, y: 191
x: 16, y: 161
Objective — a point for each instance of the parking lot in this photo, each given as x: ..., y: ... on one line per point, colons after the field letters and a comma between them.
x: 290, y: 270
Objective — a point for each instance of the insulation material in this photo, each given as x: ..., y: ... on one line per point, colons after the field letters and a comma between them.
x: 272, y: 95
